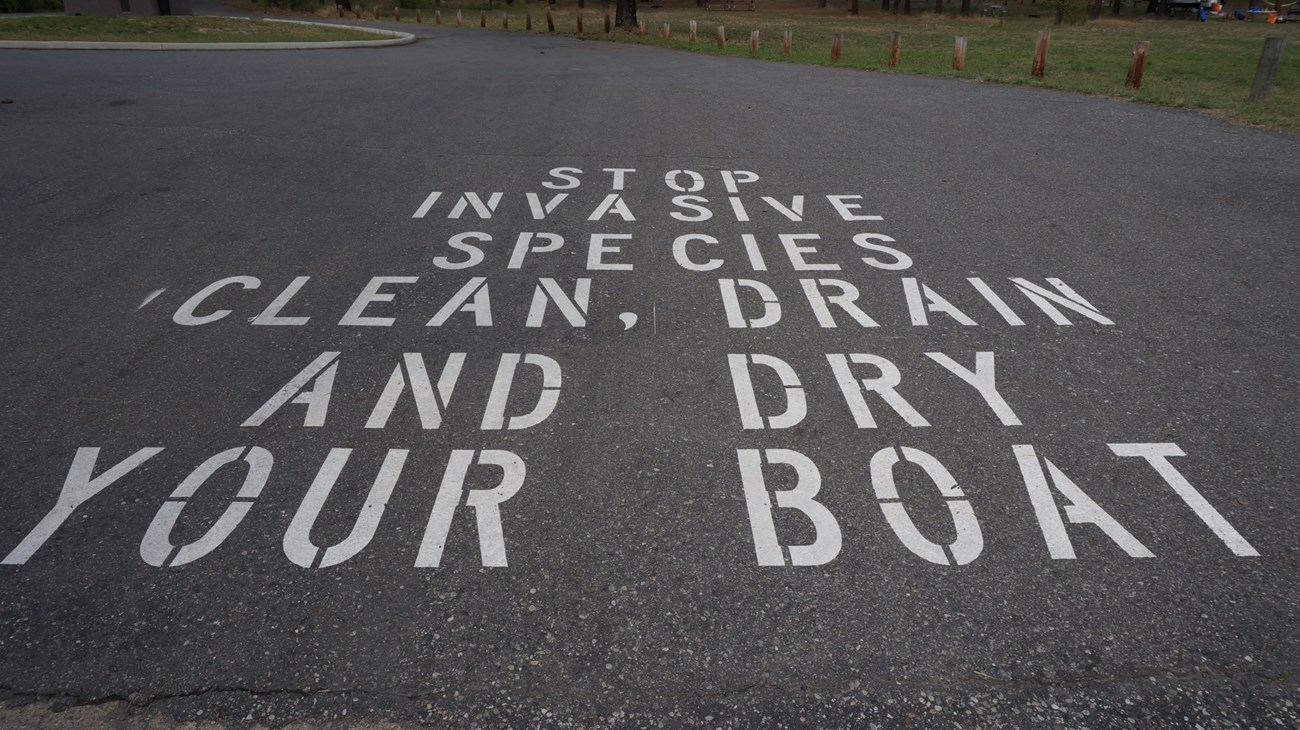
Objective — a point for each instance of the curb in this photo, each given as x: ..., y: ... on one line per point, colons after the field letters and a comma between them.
x: 395, y: 38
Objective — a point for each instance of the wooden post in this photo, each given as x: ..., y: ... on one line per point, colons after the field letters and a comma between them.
x: 1040, y: 54
x: 1270, y: 60
x: 418, y: 19
x: 528, y: 21
x: 959, y: 53
x: 397, y: 13
x: 837, y: 45
x: 722, y: 37
x: 606, y: 21
x: 640, y: 28
x: 550, y: 20
x: 482, y: 18
x: 787, y: 43
x: 667, y: 32
x: 692, y: 36
x: 579, y: 22
x: 376, y: 12
x: 753, y: 42
x: 437, y: 17
x: 505, y: 21
x: 340, y: 9
x: 460, y: 20
x: 1137, y: 64
x: 895, y: 41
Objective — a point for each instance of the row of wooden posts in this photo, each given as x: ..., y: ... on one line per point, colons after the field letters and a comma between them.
x: 1262, y: 87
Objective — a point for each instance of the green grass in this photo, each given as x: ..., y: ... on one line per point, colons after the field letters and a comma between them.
x: 1204, y: 66
x: 174, y: 29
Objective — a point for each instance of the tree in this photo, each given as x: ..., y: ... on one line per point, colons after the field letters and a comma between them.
x: 854, y: 7
x: 625, y: 14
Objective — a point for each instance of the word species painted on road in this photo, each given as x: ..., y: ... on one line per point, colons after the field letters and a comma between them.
x: 745, y: 272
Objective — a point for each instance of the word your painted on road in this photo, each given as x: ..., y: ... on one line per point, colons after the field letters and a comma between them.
x: 759, y: 279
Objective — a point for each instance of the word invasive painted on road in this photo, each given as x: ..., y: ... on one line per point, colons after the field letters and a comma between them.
x: 767, y: 280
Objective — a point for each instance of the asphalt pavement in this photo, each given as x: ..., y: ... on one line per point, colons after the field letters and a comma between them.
x: 510, y: 380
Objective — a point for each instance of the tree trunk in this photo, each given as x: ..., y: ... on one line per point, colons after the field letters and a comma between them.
x: 965, y: 7
x: 1096, y: 9
x: 854, y: 7
x: 625, y: 14
x: 1114, y: 6
x: 907, y: 7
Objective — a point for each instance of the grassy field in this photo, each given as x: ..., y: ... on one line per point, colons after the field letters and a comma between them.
x: 1207, y: 66
x: 174, y: 29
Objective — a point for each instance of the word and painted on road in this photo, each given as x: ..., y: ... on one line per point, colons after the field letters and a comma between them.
x: 844, y: 277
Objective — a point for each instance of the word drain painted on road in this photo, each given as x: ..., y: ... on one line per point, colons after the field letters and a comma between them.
x: 748, y: 298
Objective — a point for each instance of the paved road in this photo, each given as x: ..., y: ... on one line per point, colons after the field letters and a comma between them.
x: 937, y: 403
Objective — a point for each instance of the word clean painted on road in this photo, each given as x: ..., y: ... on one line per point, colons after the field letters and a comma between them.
x: 817, y: 262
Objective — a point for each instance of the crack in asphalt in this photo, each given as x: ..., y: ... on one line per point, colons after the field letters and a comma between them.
x: 142, y: 699
x: 333, y: 144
